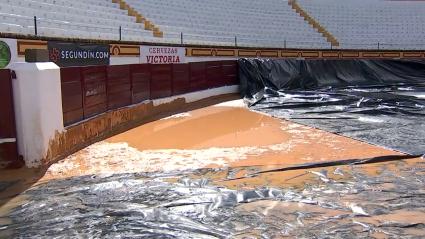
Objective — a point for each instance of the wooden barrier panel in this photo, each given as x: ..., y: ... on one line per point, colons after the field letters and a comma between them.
x: 198, y: 80
x: 181, y: 83
x: 94, y: 98
x: 72, y: 95
x: 141, y: 82
x: 161, y: 81
x: 230, y: 73
x: 118, y: 86
x: 92, y: 90
x: 214, y: 74
x: 8, y: 145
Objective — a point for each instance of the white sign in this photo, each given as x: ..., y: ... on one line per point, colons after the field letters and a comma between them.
x: 8, y: 52
x: 162, y: 54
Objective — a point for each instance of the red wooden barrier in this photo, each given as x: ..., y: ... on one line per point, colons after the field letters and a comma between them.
x: 95, y: 95
x: 161, y: 82
x: 88, y: 91
x: 230, y: 73
x: 198, y: 80
x: 141, y: 82
x: 8, y: 145
x: 214, y: 74
x: 72, y: 95
x: 181, y: 79
x: 118, y: 86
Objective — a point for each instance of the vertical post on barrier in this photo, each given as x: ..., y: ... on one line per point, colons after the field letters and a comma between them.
x: 284, y: 44
x: 181, y: 38
x: 120, y: 33
x: 378, y: 45
x: 236, y: 41
x: 35, y: 25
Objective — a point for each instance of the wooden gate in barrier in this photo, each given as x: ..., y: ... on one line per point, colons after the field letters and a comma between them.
x: 8, y: 144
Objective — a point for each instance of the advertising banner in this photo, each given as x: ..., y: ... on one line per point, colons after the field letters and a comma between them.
x: 78, y: 54
x: 162, y: 54
x: 8, y: 52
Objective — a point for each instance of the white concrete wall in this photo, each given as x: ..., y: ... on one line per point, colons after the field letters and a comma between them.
x: 124, y: 60
x: 199, y: 95
x: 209, y: 58
x: 38, y: 108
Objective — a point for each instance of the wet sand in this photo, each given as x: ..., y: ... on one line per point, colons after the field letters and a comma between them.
x: 225, y: 135
x: 212, y: 137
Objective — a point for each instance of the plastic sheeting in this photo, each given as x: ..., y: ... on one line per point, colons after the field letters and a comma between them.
x: 341, y: 202
x: 378, y: 101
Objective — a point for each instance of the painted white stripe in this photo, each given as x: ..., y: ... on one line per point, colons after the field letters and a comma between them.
x: 7, y: 140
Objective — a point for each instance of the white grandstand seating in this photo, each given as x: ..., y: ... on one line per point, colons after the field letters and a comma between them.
x: 267, y: 23
x: 91, y: 19
x: 365, y: 23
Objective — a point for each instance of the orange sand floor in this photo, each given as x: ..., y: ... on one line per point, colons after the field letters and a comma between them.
x: 215, y: 136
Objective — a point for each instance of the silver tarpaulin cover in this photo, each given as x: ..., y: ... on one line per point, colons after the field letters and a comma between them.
x: 378, y: 101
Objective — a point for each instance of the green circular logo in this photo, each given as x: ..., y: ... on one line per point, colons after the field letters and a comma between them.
x: 5, y: 54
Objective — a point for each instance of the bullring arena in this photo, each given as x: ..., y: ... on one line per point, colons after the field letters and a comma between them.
x: 212, y: 119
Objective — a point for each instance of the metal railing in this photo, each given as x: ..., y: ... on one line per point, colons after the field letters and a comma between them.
x: 55, y: 28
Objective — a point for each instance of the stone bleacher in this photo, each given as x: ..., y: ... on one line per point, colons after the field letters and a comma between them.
x: 87, y: 19
x: 267, y: 23
x: 369, y: 24
x: 355, y: 24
